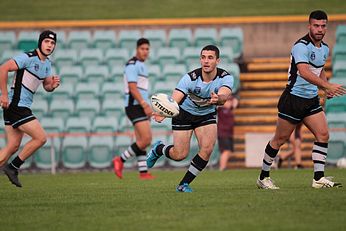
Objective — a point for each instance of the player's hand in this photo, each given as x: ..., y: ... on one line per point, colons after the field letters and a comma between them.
x: 147, y: 110
x: 4, y: 101
x: 335, y: 90
x: 55, y: 81
x: 158, y: 118
x: 214, y: 99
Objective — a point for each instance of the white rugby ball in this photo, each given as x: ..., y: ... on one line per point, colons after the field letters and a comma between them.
x: 165, y: 105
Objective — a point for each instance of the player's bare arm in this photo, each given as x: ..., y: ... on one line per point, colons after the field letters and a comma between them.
x: 178, y: 97
x: 332, y: 88
x: 138, y: 97
x: 221, y: 97
x: 50, y: 83
x: 8, y: 66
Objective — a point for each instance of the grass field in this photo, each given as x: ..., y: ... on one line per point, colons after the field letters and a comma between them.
x: 105, y: 9
x: 220, y: 201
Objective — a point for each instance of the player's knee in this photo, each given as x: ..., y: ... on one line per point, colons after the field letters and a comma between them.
x: 323, y: 136
x: 13, y: 148
x: 41, y: 140
x: 179, y: 155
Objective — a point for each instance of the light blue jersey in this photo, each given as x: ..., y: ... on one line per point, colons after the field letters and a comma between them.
x: 136, y: 72
x: 30, y: 74
x: 304, y: 51
x: 198, y: 92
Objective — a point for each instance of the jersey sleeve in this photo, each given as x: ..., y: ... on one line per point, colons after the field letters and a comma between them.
x: 131, y: 73
x: 300, y: 53
x: 184, y: 83
x: 228, y: 81
x: 22, y: 60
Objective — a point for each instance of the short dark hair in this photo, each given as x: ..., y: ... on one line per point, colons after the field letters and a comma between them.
x: 318, y: 15
x: 212, y: 48
x: 142, y: 41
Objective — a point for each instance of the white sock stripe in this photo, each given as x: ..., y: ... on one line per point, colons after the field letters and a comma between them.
x: 266, y: 167
x: 130, y: 151
x: 14, y: 166
x: 268, y: 159
x: 318, y: 167
x: 142, y: 158
x: 194, y: 170
x: 319, y: 157
x: 319, y: 148
x: 141, y: 169
x: 142, y: 164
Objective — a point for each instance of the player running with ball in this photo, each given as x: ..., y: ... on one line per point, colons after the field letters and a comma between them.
x: 300, y: 103
x: 198, y: 93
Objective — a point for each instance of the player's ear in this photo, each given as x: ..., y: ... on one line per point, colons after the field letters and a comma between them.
x: 217, y: 60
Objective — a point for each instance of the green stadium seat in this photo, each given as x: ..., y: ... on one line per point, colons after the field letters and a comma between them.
x: 27, y: 40
x: 87, y: 90
x: 336, y: 120
x: 128, y: 39
x: 90, y: 57
x: 125, y: 124
x: 180, y: 38
x: 61, y: 39
x: 339, y: 53
x: 165, y: 87
x: 71, y: 75
x: 339, y: 80
x: 53, y: 124
x: 104, y: 39
x: 2, y: 131
x: 337, y: 104
x: 156, y: 37
x: 205, y: 36
x: 89, y: 108
x: 122, y: 142
x: 336, y: 147
x: 117, y: 57
x: 105, y: 124
x: 226, y: 54
x: 155, y: 73
x: 193, y: 66
x: 73, y: 152
x: 173, y: 73
x: 9, y: 54
x: 168, y: 55
x: 112, y: 108
x: 43, y: 156
x: 339, y: 68
x: 40, y: 108
x: 191, y: 55
x: 341, y: 34
x: 100, y: 152
x: 7, y: 40
x: 112, y: 91
x: 79, y: 40
x: 78, y: 125
x: 232, y: 68
x: 232, y: 37
x: 62, y: 108
x: 96, y: 74
x: 64, y: 91
x: 64, y: 57
x: 117, y: 74
x: 42, y: 94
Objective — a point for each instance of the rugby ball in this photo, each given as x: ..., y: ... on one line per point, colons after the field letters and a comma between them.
x: 165, y: 105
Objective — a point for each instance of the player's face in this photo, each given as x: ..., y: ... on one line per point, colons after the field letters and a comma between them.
x: 318, y: 29
x: 48, y: 46
x: 209, y: 61
x: 143, y: 52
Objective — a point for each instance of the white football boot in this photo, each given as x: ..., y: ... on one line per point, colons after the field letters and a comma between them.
x: 325, y: 182
x: 266, y: 183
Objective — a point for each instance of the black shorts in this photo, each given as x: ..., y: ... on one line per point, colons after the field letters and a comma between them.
x: 135, y: 113
x: 226, y: 144
x: 187, y: 121
x: 16, y: 116
x: 294, y: 108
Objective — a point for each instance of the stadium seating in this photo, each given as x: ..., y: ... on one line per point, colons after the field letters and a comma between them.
x: 205, y: 36
x: 96, y: 74
x: 43, y: 156
x: 117, y: 74
x: 155, y: 73
x: 191, y: 55
x: 27, y: 40
x: 128, y: 39
x: 339, y: 52
x: 336, y: 120
x: 112, y: 91
x: 53, y: 124
x: 173, y: 72
x: 61, y: 39
x: 64, y: 91
x: 156, y: 37
x: 336, y: 147
x: 79, y: 40
x: 73, y: 152
x: 168, y: 55
x: 90, y: 57
x: 87, y: 90
x: 89, y: 108
x: 232, y: 37
x: 180, y: 38
x: 8, y: 54
x: 78, y: 125
x: 100, y: 152
x: 111, y: 108
x: 337, y: 104
x: 7, y: 40
x: 62, y: 108
x: 105, y: 124
x: 39, y: 108
x: 104, y: 39
x: 117, y: 57
x: 71, y: 75
x: 341, y: 34
x: 64, y: 57
x: 339, y: 68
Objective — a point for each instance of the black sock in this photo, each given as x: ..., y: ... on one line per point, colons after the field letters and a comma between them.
x: 141, y: 158
x: 197, y: 165
x: 16, y: 163
x: 318, y: 175
x: 269, y: 156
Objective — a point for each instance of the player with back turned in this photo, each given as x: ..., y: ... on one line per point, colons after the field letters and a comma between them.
x: 300, y: 102
x: 198, y: 93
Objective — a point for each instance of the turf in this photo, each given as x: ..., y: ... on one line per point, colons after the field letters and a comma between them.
x: 220, y: 201
x: 105, y: 9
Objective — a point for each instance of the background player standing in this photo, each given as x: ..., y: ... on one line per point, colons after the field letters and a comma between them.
x: 32, y: 69
x: 300, y: 103
x: 198, y: 92
x: 137, y: 110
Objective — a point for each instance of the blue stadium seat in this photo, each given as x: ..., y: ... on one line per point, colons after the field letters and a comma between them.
x: 232, y: 37
x: 100, y: 152
x: 104, y: 39
x: 96, y: 74
x: 117, y: 57
x: 64, y: 57
x: 205, y: 36
x: 27, y: 40
x: 168, y: 55
x: 71, y: 75
x: 105, y: 124
x: 79, y: 40
x: 90, y: 57
x: 7, y: 40
x: 87, y: 90
x: 43, y: 156
x: 174, y: 72
x: 78, y: 125
x: 89, y: 108
x: 62, y: 108
x: 157, y: 38
x: 73, y: 152
x: 180, y: 38
x: 128, y: 39
x: 341, y: 34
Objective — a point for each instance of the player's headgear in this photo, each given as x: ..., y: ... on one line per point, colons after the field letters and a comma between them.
x: 212, y: 48
x: 142, y: 41
x: 318, y: 15
x: 46, y: 34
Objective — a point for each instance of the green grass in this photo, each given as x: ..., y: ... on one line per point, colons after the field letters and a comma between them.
x: 221, y: 201
x: 105, y: 9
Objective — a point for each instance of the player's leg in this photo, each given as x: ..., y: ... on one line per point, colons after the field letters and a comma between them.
x: 226, y: 148
x: 297, y: 146
x: 317, y: 124
x: 38, y: 138
x: 206, y: 136
x: 14, y: 138
x: 285, y: 155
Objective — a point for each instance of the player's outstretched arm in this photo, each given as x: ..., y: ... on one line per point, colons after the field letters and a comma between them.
x: 8, y: 66
x: 221, y: 97
x: 332, y: 89
x: 50, y: 83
